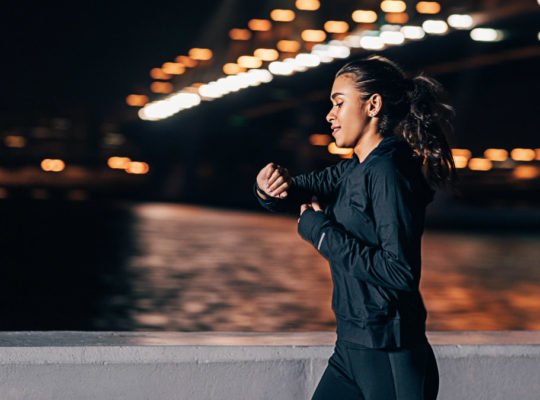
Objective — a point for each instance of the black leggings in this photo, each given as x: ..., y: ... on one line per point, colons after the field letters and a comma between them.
x: 374, y: 374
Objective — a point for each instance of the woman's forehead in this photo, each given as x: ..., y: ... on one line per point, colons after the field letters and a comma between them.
x: 343, y: 84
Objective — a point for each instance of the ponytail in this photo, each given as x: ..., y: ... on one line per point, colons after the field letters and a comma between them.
x: 412, y: 109
x: 425, y: 127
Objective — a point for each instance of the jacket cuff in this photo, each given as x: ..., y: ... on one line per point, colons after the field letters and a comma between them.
x: 310, y: 225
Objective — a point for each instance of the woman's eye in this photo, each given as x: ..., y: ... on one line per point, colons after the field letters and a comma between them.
x: 338, y: 104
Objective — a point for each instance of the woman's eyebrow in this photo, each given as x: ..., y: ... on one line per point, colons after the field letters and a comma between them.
x: 336, y: 94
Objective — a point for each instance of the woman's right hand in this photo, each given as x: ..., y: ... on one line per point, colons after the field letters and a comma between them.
x: 274, y: 180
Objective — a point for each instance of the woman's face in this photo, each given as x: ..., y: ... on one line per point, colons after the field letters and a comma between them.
x: 349, y: 113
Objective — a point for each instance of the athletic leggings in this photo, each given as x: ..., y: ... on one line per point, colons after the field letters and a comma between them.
x: 375, y: 374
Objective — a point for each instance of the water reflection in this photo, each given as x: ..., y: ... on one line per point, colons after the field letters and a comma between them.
x: 166, y: 267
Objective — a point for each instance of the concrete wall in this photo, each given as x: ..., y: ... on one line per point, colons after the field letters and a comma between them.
x: 118, y: 365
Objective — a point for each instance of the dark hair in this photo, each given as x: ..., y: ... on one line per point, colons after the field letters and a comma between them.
x: 412, y: 109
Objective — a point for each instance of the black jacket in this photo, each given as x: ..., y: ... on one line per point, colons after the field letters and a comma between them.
x: 370, y: 231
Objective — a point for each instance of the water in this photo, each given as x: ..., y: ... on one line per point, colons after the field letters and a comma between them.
x: 174, y: 267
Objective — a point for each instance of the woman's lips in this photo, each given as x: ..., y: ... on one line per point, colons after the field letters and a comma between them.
x: 335, y: 130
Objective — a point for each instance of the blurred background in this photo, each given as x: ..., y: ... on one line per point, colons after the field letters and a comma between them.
x: 131, y: 135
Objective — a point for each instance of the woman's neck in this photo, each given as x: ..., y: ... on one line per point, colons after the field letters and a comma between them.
x: 367, y: 143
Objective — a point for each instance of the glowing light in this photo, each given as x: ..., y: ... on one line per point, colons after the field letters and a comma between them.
x: 137, y: 167
x: 260, y: 25
x: 393, y: 6
x: 52, y: 165
x: 372, y: 43
x: 397, y: 18
x: 167, y: 107
x: 413, y: 32
x: 200, y: 54
x: 313, y: 35
x: 282, y: 15
x: 334, y: 149
x: 281, y: 68
x: 428, y: 7
x: 157, y: 73
x: 537, y: 151
x: 496, y: 154
x: 266, y: 54
x: 249, y: 62
x: 526, y: 172
x: 173, y: 68
x: 319, y: 139
x: 186, y: 61
x: 327, y: 52
x: 307, y: 60
x: 390, y: 37
x: 161, y: 87
x: 240, y: 34
x: 15, y: 141
x: 480, y: 164
x: 486, y: 35
x: 460, y: 161
x: 232, y: 69
x: 460, y: 21
x: 364, y: 16
x: 118, y: 162
x: 435, y: 27
x: 520, y: 154
x: 308, y: 5
x: 136, y: 100
x: 352, y: 40
x: 462, y: 152
x: 288, y: 46
x: 336, y: 26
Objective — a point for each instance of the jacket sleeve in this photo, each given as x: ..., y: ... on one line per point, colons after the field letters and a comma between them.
x: 319, y: 183
x: 388, y: 264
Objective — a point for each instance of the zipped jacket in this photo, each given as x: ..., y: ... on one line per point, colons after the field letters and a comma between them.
x: 370, y: 231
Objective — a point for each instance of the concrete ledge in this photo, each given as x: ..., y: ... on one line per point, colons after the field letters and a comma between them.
x: 226, y: 365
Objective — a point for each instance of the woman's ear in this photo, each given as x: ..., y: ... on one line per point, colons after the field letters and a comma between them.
x: 374, y: 104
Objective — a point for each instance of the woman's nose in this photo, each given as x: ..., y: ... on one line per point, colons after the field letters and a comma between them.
x: 330, y: 116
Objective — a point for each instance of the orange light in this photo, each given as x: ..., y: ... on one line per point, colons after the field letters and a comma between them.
x: 334, y: 149
x: 136, y: 100
x: 462, y: 152
x: 186, y: 61
x: 118, y: 162
x: 523, y: 154
x: 52, y: 165
x: 288, y: 46
x: 161, y: 87
x: 397, y: 18
x: 266, y: 54
x: 537, y: 151
x: 282, y: 15
x: 480, y: 164
x: 526, y: 172
x: 249, y: 62
x: 393, y: 6
x: 260, y: 25
x: 173, y: 68
x: 15, y: 141
x: 138, y: 168
x: 240, y: 34
x: 200, y: 54
x: 336, y: 26
x: 313, y: 35
x: 232, y: 69
x: 496, y: 154
x: 364, y: 16
x: 157, y: 73
x: 428, y: 7
x: 319, y: 139
x: 460, y: 161
x: 308, y: 5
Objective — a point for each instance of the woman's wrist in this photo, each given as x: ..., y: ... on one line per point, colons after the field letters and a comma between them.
x: 260, y: 192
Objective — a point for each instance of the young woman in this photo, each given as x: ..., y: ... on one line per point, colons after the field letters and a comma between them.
x: 367, y: 219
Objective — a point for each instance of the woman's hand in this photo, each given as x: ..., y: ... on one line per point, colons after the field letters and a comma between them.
x: 314, y: 205
x: 274, y: 181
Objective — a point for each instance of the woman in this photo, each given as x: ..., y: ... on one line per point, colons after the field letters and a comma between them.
x: 367, y: 219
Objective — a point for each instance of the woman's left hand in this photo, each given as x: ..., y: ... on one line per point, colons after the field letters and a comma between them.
x: 314, y: 205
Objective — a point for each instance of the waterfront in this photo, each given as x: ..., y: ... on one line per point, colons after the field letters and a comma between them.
x: 185, y: 268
